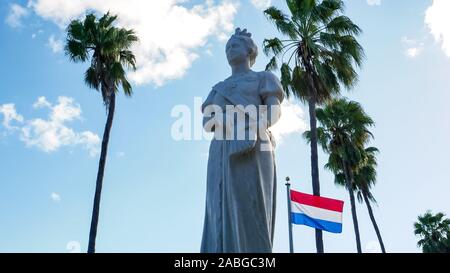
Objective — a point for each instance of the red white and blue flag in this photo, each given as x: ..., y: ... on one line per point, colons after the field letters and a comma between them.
x: 316, y: 212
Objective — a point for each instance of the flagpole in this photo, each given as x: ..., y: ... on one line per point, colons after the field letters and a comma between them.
x: 288, y: 187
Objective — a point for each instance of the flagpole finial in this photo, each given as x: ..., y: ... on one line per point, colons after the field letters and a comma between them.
x: 287, y: 180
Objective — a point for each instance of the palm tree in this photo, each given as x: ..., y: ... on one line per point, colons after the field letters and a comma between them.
x: 365, y: 178
x: 434, y: 231
x: 343, y: 134
x: 321, y: 52
x: 108, y: 49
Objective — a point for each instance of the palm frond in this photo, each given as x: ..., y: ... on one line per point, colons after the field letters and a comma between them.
x: 92, y: 78
x: 282, y: 22
x: 109, y: 49
x: 272, y: 65
x: 272, y: 46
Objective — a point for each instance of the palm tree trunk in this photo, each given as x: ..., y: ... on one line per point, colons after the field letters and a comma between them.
x: 349, y: 181
x: 315, y: 165
x: 374, y: 222
x: 100, y: 173
x: 306, y: 60
x: 314, y: 155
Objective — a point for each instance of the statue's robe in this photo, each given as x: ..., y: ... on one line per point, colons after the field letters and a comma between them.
x: 241, y: 178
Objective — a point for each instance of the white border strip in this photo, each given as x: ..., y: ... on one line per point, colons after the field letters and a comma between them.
x: 317, y: 213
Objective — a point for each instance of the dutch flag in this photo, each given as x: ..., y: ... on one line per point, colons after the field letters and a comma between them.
x: 316, y: 212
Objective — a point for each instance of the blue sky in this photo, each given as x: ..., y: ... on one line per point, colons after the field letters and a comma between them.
x: 154, y: 187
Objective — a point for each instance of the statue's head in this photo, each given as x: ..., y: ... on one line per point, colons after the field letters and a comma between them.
x: 240, y: 48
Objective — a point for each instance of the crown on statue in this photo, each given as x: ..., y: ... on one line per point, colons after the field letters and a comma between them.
x: 243, y: 32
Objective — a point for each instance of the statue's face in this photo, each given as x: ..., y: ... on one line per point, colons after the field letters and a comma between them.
x: 237, y: 51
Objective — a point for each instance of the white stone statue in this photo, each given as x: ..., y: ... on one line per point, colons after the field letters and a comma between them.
x: 241, y: 179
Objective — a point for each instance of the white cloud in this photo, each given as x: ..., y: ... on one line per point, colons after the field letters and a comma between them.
x: 51, y: 134
x: 438, y: 21
x: 261, y: 4
x: 413, y: 52
x: 41, y: 103
x: 373, y: 247
x: 170, y: 33
x: 291, y: 121
x: 10, y: 115
x: 39, y: 32
x: 56, y: 45
x: 90, y: 141
x: 65, y: 110
x: 55, y: 197
x: 73, y: 247
x: 15, y: 15
x: 412, y: 48
x: 374, y: 2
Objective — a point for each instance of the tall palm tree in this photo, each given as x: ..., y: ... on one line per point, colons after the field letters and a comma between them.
x: 343, y: 134
x: 434, y: 231
x: 365, y: 178
x: 321, y: 53
x: 107, y: 48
